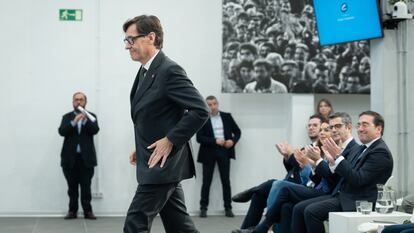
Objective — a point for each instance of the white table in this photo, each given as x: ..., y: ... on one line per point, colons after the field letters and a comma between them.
x: 348, y: 222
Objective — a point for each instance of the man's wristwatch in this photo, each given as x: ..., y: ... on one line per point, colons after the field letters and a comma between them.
x: 337, y: 156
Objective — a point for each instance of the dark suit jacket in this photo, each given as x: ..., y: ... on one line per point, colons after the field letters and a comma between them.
x: 323, y: 167
x: 205, y: 136
x: 360, y: 181
x: 73, y: 138
x: 166, y: 104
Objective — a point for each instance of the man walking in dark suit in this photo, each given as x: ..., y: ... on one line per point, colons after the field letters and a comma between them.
x: 167, y: 111
x: 217, y: 139
x: 78, y: 156
x: 369, y: 165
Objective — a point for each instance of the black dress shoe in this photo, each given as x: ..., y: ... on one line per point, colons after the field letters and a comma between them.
x: 203, y: 213
x: 244, y: 196
x: 229, y: 213
x: 71, y: 215
x: 90, y: 215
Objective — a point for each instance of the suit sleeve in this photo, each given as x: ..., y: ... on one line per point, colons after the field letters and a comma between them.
x: 235, y: 129
x: 323, y: 169
x: 376, y: 164
x: 203, y: 138
x: 66, y: 128
x: 182, y: 92
x: 91, y: 128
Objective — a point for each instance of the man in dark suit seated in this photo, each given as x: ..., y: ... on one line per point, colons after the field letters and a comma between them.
x: 217, y: 139
x: 281, y: 211
x: 167, y: 110
x: 360, y: 173
x: 259, y: 194
x: 78, y: 157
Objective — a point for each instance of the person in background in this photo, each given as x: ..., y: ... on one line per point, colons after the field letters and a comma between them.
x: 78, y: 156
x: 217, y: 139
x: 324, y: 108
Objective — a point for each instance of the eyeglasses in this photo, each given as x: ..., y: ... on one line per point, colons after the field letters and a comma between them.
x: 337, y: 126
x: 131, y: 39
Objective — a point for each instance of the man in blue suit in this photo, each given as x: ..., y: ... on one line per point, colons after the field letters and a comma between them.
x: 217, y: 139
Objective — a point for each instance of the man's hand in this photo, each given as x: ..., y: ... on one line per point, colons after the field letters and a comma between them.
x: 220, y: 141
x: 133, y: 158
x: 285, y: 149
x: 228, y: 144
x: 162, y: 149
x: 301, y: 158
x: 331, y: 147
x: 328, y: 156
x: 313, y: 152
x: 79, y: 117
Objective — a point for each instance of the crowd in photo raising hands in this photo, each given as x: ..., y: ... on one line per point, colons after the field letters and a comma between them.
x: 272, y: 46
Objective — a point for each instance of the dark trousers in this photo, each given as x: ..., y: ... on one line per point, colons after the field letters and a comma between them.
x: 164, y: 199
x: 308, y: 215
x: 257, y: 204
x: 289, y: 194
x: 79, y: 175
x: 400, y: 228
x: 223, y: 162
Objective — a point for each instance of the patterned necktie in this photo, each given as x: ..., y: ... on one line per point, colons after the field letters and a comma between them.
x: 354, y: 161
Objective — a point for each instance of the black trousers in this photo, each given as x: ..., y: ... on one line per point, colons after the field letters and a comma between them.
x: 164, y: 199
x: 79, y: 175
x: 223, y: 162
x: 257, y: 204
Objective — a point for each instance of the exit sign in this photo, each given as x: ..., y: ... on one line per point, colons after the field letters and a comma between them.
x: 70, y: 14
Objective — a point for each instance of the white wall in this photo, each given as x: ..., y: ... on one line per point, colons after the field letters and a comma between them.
x: 45, y: 60
x: 392, y: 96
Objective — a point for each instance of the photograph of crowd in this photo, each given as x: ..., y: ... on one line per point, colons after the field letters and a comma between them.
x: 272, y: 46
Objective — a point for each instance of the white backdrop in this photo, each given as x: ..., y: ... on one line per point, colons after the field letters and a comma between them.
x: 44, y: 61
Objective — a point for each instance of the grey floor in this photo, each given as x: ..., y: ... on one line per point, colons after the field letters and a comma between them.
x: 212, y: 224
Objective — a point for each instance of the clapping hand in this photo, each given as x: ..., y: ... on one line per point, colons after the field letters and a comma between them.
x: 331, y: 148
x: 301, y: 158
x: 313, y: 152
x: 285, y: 149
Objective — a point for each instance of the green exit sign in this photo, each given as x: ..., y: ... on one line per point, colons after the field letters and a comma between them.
x: 70, y: 14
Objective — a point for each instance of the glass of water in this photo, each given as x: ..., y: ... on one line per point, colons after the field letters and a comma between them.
x: 366, y: 207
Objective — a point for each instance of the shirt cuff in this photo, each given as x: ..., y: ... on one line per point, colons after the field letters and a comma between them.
x: 73, y: 123
x: 337, y: 161
x: 318, y: 161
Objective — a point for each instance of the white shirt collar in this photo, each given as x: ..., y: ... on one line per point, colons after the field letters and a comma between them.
x: 371, y: 142
x: 148, y: 64
x: 345, y: 144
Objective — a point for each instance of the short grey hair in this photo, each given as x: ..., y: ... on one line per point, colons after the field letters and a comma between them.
x: 346, y: 118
